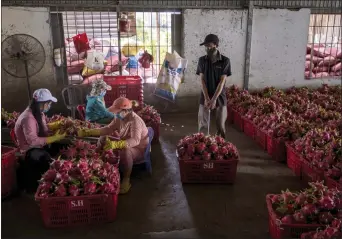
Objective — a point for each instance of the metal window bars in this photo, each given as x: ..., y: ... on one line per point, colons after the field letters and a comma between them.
x: 155, y: 32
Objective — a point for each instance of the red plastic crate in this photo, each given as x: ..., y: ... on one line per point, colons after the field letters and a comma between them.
x: 248, y: 128
x: 237, y: 119
x: 311, y: 174
x: 331, y: 183
x: 124, y: 86
x: 230, y: 117
x: 213, y: 171
x: 8, y: 170
x: 285, y: 231
x: 276, y: 148
x: 79, y: 210
x: 260, y: 138
x: 294, y: 161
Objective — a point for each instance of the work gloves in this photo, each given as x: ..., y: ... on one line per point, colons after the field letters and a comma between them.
x: 57, y: 137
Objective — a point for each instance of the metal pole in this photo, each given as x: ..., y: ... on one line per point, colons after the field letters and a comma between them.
x: 119, y: 37
x: 208, y: 122
x: 248, y: 45
x: 27, y: 80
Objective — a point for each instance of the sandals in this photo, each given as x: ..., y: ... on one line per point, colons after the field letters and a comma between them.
x: 125, y: 187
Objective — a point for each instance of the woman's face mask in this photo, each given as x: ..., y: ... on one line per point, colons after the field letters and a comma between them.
x: 119, y: 116
x: 47, y: 107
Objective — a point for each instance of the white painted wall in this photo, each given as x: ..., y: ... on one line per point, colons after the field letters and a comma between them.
x: 230, y: 26
x: 35, y: 22
x: 279, y: 39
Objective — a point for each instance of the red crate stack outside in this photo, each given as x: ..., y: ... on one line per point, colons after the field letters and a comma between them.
x: 78, y: 210
x: 8, y: 170
x: 124, y: 86
x: 278, y: 230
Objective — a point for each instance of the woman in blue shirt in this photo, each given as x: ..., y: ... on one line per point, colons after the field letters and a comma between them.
x: 96, y: 110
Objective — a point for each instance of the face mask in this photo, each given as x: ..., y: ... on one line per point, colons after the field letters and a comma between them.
x: 103, y: 93
x: 48, y: 108
x: 118, y: 115
x: 210, y: 51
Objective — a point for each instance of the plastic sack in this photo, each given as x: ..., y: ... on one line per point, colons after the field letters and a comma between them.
x: 81, y: 42
x: 95, y: 60
x: 133, y: 62
x: 170, y: 76
x: 88, y: 72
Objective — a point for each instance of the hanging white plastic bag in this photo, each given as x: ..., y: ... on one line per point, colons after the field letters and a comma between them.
x: 170, y: 76
x: 95, y: 60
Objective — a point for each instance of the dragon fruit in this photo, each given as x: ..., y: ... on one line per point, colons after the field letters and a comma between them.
x: 107, y: 188
x: 89, y: 188
x: 74, y: 190
x: 60, y: 191
x: 326, y: 203
x: 325, y: 217
x: 50, y: 175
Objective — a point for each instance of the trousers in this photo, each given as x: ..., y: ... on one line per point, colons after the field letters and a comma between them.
x: 35, y: 163
x: 220, y: 119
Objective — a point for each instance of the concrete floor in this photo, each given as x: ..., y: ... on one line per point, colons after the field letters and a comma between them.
x: 161, y: 207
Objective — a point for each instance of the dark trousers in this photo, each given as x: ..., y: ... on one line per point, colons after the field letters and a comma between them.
x: 220, y: 119
x: 34, y: 164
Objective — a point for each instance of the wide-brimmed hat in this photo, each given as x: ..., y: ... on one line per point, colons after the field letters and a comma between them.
x: 119, y: 104
x: 98, y: 86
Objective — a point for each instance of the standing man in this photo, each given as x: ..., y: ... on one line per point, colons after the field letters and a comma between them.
x: 213, y: 70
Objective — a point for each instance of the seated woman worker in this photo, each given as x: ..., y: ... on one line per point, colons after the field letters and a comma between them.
x: 96, y: 109
x: 32, y: 133
x: 133, y: 135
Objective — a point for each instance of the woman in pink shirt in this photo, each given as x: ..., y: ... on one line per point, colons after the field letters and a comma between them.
x: 133, y: 134
x: 32, y: 133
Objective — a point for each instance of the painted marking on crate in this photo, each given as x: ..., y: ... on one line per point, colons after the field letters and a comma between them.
x: 78, y: 203
x: 208, y: 166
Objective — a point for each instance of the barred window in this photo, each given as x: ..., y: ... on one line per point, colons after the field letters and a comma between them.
x: 144, y: 39
x: 323, y: 52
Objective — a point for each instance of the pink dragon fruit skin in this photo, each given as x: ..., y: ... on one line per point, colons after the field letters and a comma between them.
x: 56, y: 164
x: 50, y: 175
x: 74, y: 190
x: 89, y: 188
x: 107, y: 188
x: 60, y: 191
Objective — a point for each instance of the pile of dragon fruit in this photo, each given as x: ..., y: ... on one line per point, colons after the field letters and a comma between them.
x: 201, y: 147
x: 314, y: 205
x: 81, y: 170
x: 322, y: 148
x: 9, y: 118
x: 149, y: 115
x: 311, y: 119
x: 70, y: 126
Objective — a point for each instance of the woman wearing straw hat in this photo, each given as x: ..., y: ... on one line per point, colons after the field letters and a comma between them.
x: 133, y: 135
x: 96, y: 110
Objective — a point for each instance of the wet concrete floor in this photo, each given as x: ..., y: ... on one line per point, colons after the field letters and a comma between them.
x: 161, y: 207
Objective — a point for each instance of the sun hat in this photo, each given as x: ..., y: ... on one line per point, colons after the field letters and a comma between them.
x: 43, y: 95
x: 98, y: 86
x: 119, y: 104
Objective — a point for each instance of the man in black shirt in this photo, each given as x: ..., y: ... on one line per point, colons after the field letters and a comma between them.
x: 213, y: 70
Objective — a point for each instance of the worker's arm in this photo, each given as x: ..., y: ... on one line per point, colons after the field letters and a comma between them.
x: 219, y: 87
x: 107, y: 130
x: 200, y: 72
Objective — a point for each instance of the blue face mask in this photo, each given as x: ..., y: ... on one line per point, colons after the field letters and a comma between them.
x: 103, y: 93
x: 118, y: 115
x: 46, y: 110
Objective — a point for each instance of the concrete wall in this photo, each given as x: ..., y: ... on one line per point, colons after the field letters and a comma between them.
x: 279, y: 39
x: 230, y: 26
x: 35, y: 22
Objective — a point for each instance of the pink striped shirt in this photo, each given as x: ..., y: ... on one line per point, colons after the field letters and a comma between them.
x: 26, y: 130
x: 132, y: 129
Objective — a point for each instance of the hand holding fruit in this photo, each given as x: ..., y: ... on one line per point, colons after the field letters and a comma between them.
x: 55, y: 138
x: 114, y: 144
